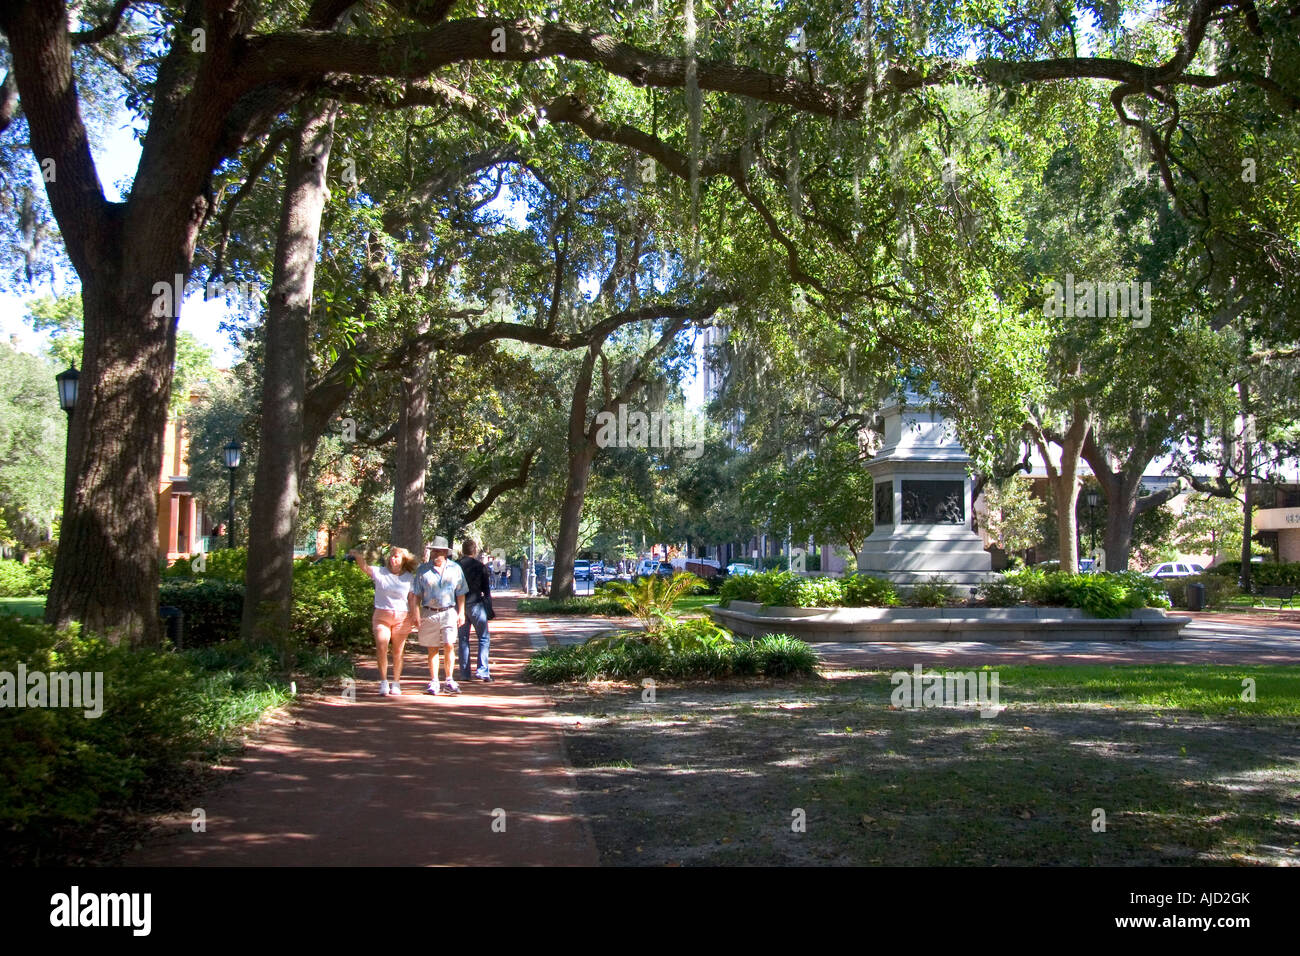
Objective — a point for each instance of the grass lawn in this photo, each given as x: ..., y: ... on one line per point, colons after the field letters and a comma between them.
x: 23, y: 606
x: 1185, y: 771
x: 694, y: 603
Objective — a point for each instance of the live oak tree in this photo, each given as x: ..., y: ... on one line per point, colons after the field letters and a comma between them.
x: 227, y: 69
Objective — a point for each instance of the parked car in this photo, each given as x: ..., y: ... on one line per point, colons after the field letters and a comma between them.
x: 647, y: 567
x: 1176, y: 569
x: 740, y: 568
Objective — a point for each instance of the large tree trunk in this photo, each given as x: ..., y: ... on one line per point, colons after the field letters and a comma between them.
x: 268, y: 592
x: 1122, y: 487
x: 106, y: 574
x: 412, y: 460
x: 1064, y: 481
x: 1248, y: 474
x: 582, y: 452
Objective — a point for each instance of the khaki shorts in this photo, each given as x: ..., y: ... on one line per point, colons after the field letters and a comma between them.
x: 399, y: 625
x: 437, y: 628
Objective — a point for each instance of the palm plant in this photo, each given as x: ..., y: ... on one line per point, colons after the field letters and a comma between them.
x: 651, y: 599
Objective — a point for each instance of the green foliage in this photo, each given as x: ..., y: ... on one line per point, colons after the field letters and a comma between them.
x: 332, y: 600
x: 865, y: 590
x: 772, y: 656
x: 21, y: 580
x: 160, y: 709
x: 333, y: 603
x: 1271, y: 573
x: 1210, y: 525
x: 739, y: 587
x: 211, y: 608
x: 1218, y: 589
x: 33, y: 438
x: 676, y: 637
x: 934, y: 593
x: 594, y: 604
x: 226, y: 564
x: 1101, y: 595
x: 1000, y: 594
x: 651, y: 599
x: 1014, y: 515
x: 786, y: 589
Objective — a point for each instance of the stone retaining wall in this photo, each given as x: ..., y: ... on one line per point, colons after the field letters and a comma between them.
x: 889, y: 624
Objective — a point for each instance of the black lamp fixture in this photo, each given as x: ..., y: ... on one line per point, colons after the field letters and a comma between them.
x: 231, y: 454
x: 67, y: 382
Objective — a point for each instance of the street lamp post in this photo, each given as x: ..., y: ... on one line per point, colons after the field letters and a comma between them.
x: 1092, y: 520
x: 231, y: 455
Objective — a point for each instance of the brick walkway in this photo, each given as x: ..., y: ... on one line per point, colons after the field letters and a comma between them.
x: 398, y: 781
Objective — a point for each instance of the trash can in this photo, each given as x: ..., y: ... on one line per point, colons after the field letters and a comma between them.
x: 1196, y: 596
x: 173, y: 621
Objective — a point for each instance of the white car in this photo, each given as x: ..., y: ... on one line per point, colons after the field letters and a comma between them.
x: 1176, y: 569
x: 740, y: 569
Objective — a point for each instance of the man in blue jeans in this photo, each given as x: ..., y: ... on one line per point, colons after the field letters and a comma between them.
x: 478, y: 610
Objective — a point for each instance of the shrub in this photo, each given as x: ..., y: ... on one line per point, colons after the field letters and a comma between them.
x: 934, y: 593
x: 14, y: 579
x: 333, y: 603
x: 601, y: 603
x: 159, y: 710
x: 651, y: 599
x: 771, y: 656
x: 1001, y: 594
x: 211, y: 609
x: 1101, y: 595
x: 1271, y: 574
x: 226, y: 564
x: 787, y: 589
x: 739, y: 587
x: 1142, y: 590
x: 1217, y: 589
x: 864, y: 590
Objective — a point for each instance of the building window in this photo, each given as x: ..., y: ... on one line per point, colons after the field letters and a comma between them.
x: 934, y: 502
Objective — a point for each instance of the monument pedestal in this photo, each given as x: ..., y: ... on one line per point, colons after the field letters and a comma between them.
x: 922, y: 503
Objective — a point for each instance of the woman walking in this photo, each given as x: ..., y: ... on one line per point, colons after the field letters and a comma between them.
x: 391, y: 621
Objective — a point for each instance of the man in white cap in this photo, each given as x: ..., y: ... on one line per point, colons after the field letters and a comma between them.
x: 438, y: 596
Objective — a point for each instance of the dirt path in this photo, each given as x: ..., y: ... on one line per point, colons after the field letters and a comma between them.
x: 398, y: 781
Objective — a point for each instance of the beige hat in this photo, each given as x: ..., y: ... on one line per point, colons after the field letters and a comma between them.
x: 439, y: 543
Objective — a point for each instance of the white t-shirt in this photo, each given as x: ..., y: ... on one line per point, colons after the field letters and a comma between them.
x: 391, y: 590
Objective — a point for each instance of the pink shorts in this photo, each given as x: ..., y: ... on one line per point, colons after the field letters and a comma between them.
x: 399, y: 625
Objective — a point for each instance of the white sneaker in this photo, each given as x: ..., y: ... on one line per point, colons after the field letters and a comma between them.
x: 394, y: 689
x: 450, y: 686
x: 432, y: 688
x: 383, y: 688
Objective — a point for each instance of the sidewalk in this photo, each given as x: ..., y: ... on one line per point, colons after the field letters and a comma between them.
x: 398, y: 781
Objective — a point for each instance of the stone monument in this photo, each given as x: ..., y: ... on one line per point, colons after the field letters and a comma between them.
x: 922, y: 502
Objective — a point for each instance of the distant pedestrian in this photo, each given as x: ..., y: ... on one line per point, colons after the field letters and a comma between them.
x: 438, y: 598
x: 392, y: 619
x: 478, y: 611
